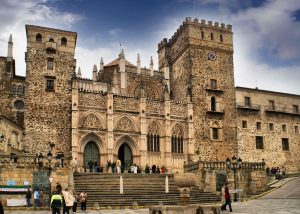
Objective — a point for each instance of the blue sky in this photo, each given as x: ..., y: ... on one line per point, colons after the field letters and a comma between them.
x: 266, y: 32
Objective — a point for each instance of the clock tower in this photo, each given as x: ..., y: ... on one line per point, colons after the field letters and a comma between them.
x: 200, y: 56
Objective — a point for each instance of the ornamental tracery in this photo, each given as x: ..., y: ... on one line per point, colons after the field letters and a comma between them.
x: 128, y: 104
x: 92, y: 100
x: 125, y: 124
x: 153, y: 128
x: 177, y: 130
x: 91, y: 121
x: 146, y: 91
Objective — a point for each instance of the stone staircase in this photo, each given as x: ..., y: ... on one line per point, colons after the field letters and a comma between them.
x: 145, y: 189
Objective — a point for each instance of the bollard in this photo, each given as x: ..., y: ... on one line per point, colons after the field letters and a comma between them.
x: 167, y: 184
x: 121, y: 184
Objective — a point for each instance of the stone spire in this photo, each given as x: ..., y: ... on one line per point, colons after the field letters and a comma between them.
x: 115, y: 82
x: 78, y: 72
x: 151, y: 67
x: 166, y: 70
x: 10, y: 48
x: 122, y: 69
x: 95, y: 73
x: 101, y: 64
x: 138, y: 64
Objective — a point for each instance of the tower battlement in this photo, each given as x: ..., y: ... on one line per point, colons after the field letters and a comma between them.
x: 207, y: 25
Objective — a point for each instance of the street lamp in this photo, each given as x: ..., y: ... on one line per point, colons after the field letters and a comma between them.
x: 40, y: 159
x: 49, y: 156
x: 1, y: 137
x: 234, y: 164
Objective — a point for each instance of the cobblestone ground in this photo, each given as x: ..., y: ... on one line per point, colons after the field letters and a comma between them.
x: 285, y: 200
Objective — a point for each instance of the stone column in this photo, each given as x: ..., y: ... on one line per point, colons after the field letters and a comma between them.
x: 110, y: 126
x: 75, y: 121
x: 143, y: 136
x: 167, y: 109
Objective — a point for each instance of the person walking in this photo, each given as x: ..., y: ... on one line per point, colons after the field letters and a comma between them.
x: 68, y: 201
x: 28, y: 197
x: 227, y: 199
x: 83, y: 200
x: 90, y: 163
x: 76, y: 199
x: 56, y: 201
x: 41, y: 198
x: 118, y: 164
x: 36, y: 198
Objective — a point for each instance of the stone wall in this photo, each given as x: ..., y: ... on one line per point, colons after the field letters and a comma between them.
x: 48, y: 112
x: 259, y: 112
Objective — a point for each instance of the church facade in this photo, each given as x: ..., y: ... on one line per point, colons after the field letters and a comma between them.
x: 186, y: 110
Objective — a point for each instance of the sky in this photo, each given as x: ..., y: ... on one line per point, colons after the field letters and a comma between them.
x: 266, y: 32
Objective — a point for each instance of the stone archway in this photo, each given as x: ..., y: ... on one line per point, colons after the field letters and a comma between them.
x: 125, y: 156
x: 91, y: 153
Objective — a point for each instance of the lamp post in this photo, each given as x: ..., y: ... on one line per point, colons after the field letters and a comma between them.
x: 234, y: 164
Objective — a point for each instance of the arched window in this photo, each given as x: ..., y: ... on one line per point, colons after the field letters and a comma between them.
x: 213, y: 105
x: 177, y: 140
x: 212, y: 36
x: 221, y: 38
x: 51, y: 40
x: 64, y: 41
x: 38, y: 38
x: 202, y: 34
x: 13, y: 89
x: 153, y: 138
x: 20, y: 90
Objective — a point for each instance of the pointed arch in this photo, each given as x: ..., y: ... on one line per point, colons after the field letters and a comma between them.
x: 91, y: 120
x: 130, y: 142
x: 154, y: 127
x: 125, y: 124
x: 177, y: 138
x: 153, y: 137
x: 94, y: 138
x: 145, y: 88
x: 177, y: 130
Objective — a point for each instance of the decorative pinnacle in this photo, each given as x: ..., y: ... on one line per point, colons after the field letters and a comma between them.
x: 10, y: 38
x: 122, y: 55
x: 79, y: 72
x: 166, y: 63
x: 151, y: 61
x: 138, y: 58
x: 101, y: 61
x: 95, y: 68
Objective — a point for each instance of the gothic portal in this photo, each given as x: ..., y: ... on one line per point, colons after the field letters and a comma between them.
x: 125, y: 156
x: 91, y: 153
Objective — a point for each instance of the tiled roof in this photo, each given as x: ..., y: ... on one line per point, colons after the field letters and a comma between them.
x: 116, y: 62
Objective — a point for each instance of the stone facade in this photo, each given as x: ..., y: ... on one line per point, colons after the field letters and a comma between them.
x: 267, y: 121
x: 184, y: 111
x: 201, y: 66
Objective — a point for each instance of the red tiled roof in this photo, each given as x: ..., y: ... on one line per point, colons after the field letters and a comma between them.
x: 116, y: 62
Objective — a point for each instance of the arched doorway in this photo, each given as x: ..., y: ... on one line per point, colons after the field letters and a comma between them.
x: 91, y: 153
x: 125, y: 156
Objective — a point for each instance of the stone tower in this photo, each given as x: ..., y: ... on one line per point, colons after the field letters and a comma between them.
x: 200, y: 56
x: 50, y: 66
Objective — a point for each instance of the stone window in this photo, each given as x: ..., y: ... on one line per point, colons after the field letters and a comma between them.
x: 285, y: 144
x: 213, y: 104
x: 38, y: 38
x: 153, y: 143
x: 51, y: 40
x: 221, y: 38
x: 213, y: 84
x: 271, y: 105
x: 202, y: 34
x: 211, y: 36
x: 13, y: 89
x: 177, y: 144
x: 64, y: 41
x: 215, y: 133
x: 271, y: 126
x: 247, y: 101
x: 259, y: 142
x: 50, y: 63
x: 20, y: 90
x: 19, y: 104
x: 296, y: 129
x: 258, y: 125
x: 244, y: 124
x: 50, y: 84
x: 295, y: 109
x: 284, y: 128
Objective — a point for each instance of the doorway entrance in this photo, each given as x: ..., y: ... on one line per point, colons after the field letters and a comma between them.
x: 125, y: 156
x: 91, y: 153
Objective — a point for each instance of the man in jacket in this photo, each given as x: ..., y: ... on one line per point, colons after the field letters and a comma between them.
x: 227, y: 199
x: 56, y: 201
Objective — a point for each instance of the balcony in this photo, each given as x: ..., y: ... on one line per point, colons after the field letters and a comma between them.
x: 215, y: 89
x: 251, y: 107
x: 217, y: 111
x: 277, y: 109
x: 51, y: 46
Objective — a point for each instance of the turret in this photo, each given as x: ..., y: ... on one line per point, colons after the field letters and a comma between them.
x: 10, y: 49
x: 151, y: 67
x: 78, y: 73
x: 95, y: 73
x: 101, y: 64
x: 138, y: 64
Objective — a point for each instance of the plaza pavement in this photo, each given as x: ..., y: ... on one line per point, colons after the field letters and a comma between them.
x: 284, y: 200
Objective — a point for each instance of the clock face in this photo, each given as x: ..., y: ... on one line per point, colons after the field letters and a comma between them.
x: 212, y: 56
